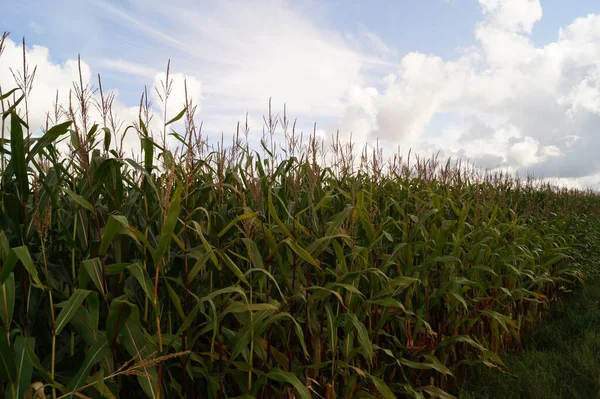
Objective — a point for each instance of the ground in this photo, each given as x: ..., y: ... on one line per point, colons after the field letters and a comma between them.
x: 560, y: 359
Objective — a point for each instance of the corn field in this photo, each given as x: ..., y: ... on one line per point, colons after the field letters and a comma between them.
x: 227, y: 271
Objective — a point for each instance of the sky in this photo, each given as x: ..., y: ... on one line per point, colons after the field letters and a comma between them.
x: 510, y: 84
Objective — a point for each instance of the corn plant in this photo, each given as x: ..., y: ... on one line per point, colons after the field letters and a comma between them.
x: 221, y: 272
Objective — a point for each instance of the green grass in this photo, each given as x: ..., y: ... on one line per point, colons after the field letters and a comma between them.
x: 560, y: 358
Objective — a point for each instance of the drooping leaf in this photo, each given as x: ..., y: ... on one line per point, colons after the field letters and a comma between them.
x: 289, y: 378
x: 80, y: 200
x: 48, y: 138
x: 178, y: 117
x: 116, y: 225
x: 25, y: 258
x: 383, y: 388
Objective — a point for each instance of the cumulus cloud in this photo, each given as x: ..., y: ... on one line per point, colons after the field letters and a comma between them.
x: 49, y: 77
x: 51, y: 87
x: 513, y: 15
x: 524, y: 152
x: 514, y: 104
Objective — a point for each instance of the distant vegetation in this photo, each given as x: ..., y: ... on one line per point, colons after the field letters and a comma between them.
x: 224, y: 272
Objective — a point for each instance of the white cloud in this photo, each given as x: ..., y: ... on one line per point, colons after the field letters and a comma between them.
x: 49, y: 77
x: 518, y: 105
x: 176, y: 86
x: 52, y: 79
x: 129, y: 68
x: 245, y: 53
x: 524, y: 152
x: 584, y: 96
x: 513, y: 15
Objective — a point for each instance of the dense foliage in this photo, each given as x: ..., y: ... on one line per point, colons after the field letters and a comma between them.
x: 234, y: 273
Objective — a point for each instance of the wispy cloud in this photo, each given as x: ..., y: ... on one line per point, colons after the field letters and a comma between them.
x: 244, y: 53
x: 130, y: 68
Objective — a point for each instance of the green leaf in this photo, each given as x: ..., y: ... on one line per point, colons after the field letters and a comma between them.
x: 93, y: 356
x: 331, y: 328
x: 169, y: 227
x: 363, y: 336
x: 115, y: 268
x: 270, y: 276
x: 93, y: 303
x: 347, y: 287
x: 503, y: 320
x: 118, y: 314
x: 8, y: 94
x: 148, y: 147
x: 433, y: 365
x: 71, y: 306
x: 115, y: 226
x: 290, y: 378
x: 234, y: 221
x: 226, y: 290
x: 435, y: 392
x: 48, y: 138
x: 81, y: 324
x: 388, y: 302
x: 8, y: 368
x: 23, y: 363
x: 135, y: 342
x: 80, y: 200
x: 93, y: 268
x: 382, y: 387
x: 232, y: 266
x: 22, y: 253
x: 13, y: 107
x: 175, y: 300
x: 107, y: 137
x: 240, y: 307
x: 43, y: 371
x: 17, y: 153
x: 7, y: 300
x: 189, y: 319
x: 273, y: 213
x: 9, y: 265
x: 142, y: 278
x: 254, y: 253
x: 301, y: 252
x: 178, y: 117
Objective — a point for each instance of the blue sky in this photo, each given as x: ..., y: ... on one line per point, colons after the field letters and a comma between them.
x: 430, y: 26
x: 437, y: 27
x: 489, y: 80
